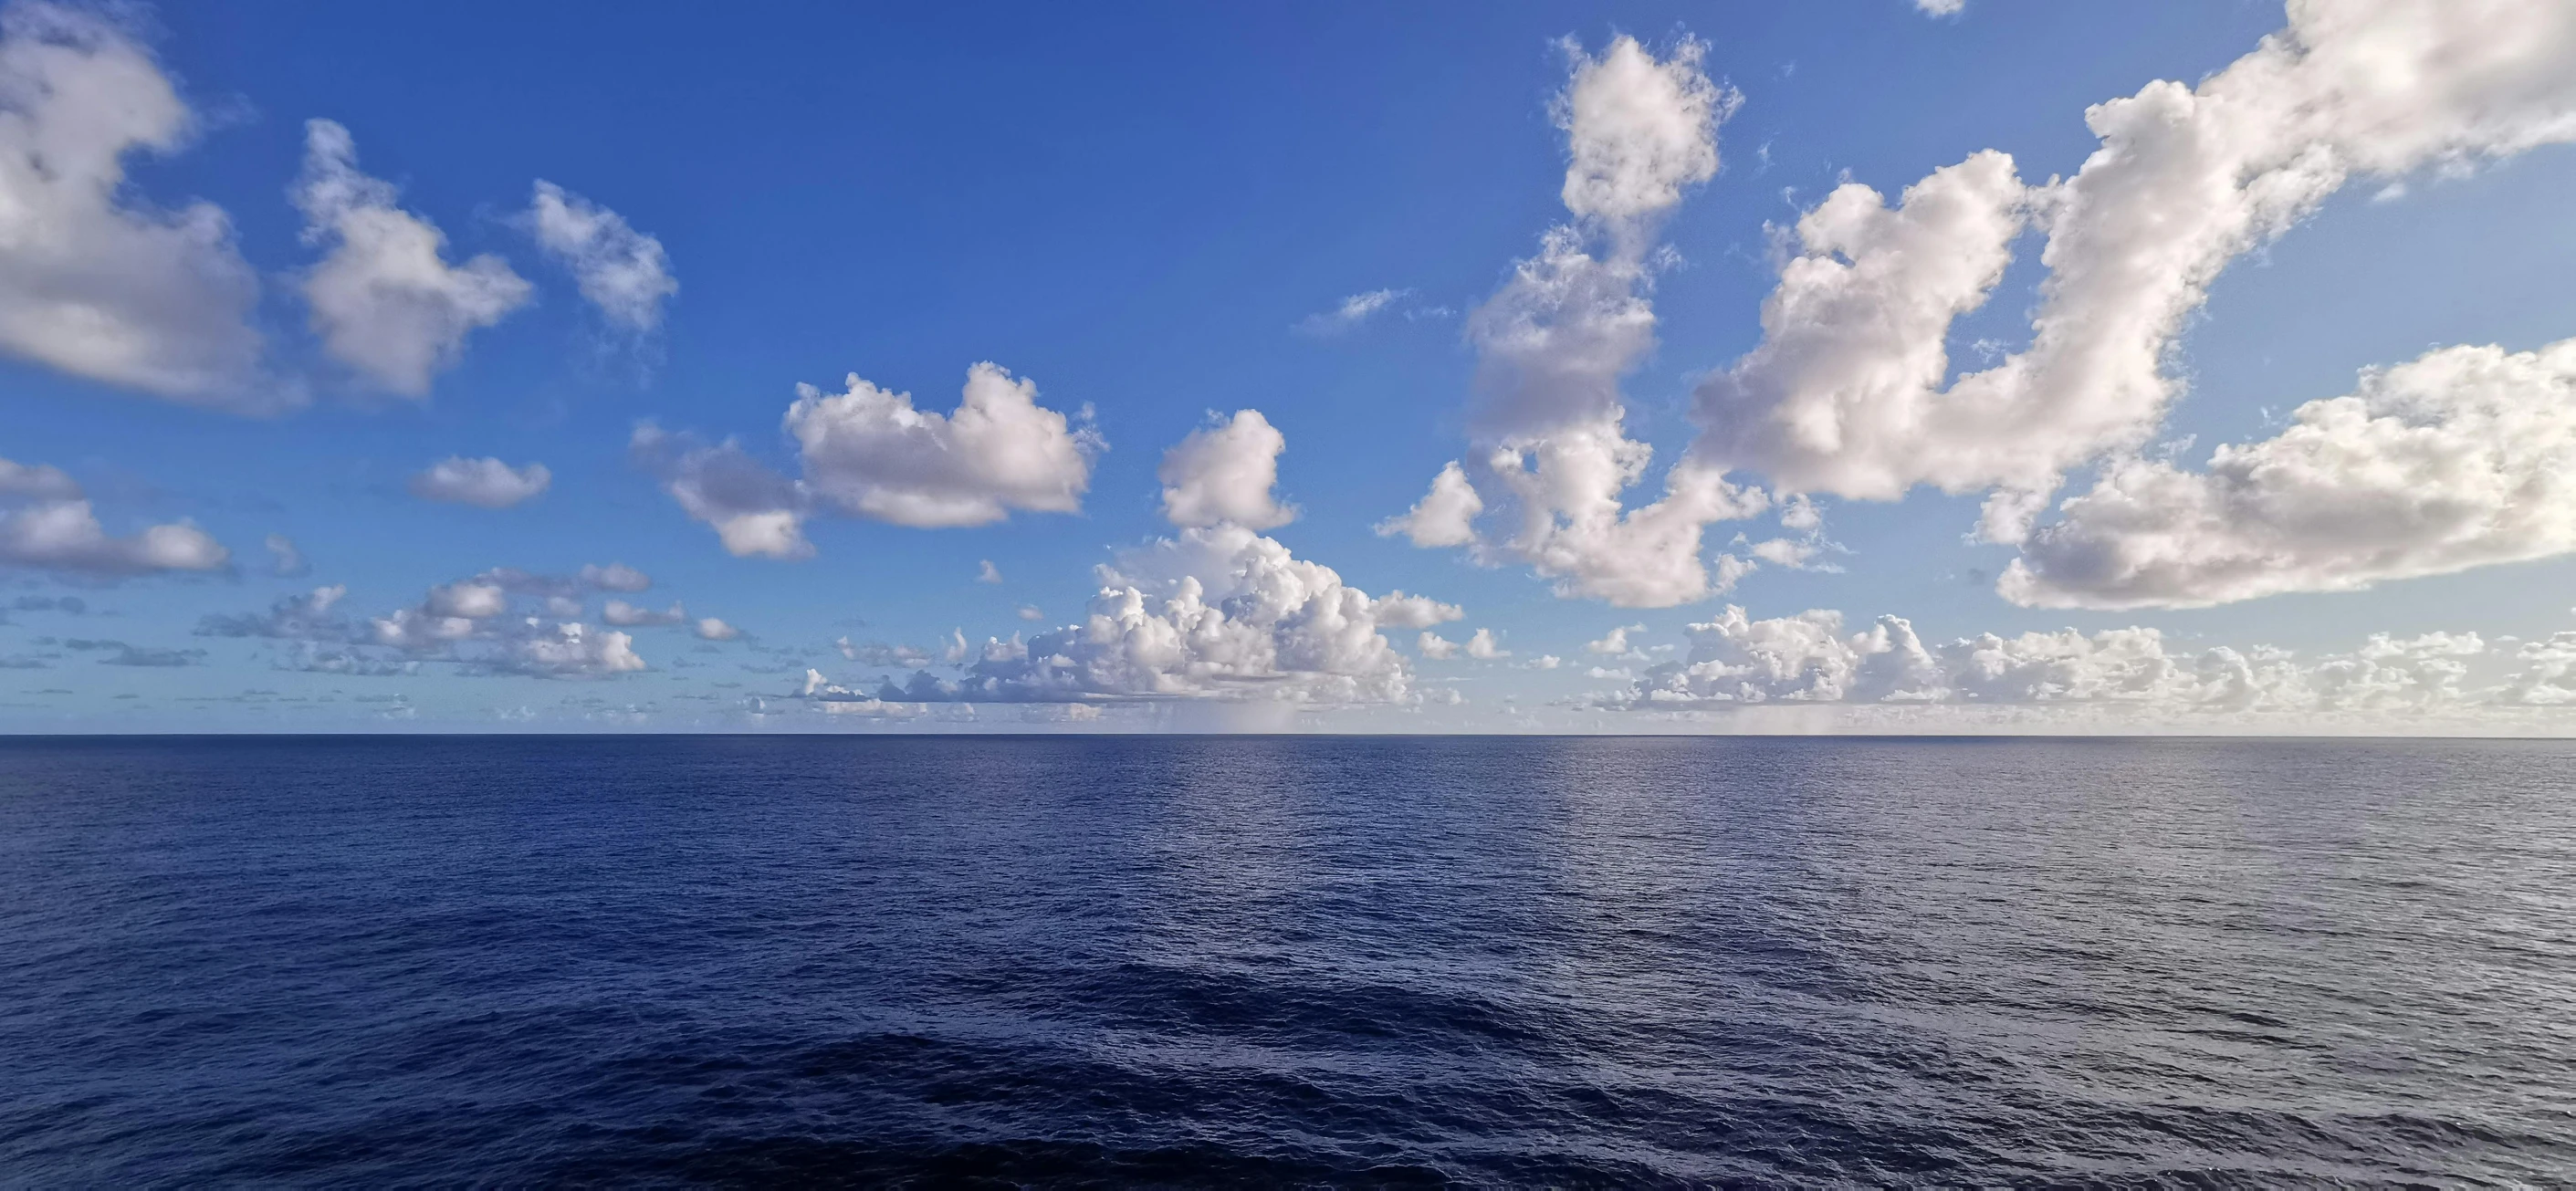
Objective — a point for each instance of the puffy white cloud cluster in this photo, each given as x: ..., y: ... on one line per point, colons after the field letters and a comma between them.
x: 2463, y: 457
x: 91, y: 281
x: 1735, y: 661
x: 46, y: 522
x: 622, y: 271
x: 501, y: 622
x: 2548, y: 676
x: 484, y: 483
x: 1224, y: 472
x: 383, y: 298
x: 1216, y: 612
x: 867, y: 452
x: 1555, y: 341
x: 1846, y: 394
x: 1445, y: 516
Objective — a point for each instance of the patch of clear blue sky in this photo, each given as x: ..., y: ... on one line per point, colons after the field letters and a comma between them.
x: 1131, y: 207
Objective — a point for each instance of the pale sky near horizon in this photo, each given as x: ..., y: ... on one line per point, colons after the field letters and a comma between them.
x: 1881, y: 365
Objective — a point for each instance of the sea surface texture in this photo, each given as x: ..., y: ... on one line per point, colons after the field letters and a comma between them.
x: 1285, y: 960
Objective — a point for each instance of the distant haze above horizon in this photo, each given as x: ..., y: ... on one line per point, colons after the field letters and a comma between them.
x: 1885, y: 366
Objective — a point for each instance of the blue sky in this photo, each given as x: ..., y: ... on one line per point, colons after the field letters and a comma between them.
x: 1154, y: 217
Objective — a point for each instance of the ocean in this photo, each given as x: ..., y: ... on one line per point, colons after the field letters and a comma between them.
x: 1285, y: 960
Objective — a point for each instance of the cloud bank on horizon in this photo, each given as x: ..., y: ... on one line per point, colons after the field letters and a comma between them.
x: 1886, y: 377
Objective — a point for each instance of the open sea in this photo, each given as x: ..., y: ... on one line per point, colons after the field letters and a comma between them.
x: 1283, y: 960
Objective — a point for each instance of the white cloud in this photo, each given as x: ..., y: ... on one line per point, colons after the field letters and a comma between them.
x: 568, y: 650
x: 1224, y: 472
x: 2548, y: 678
x: 1031, y: 612
x: 1396, y: 610
x: 472, y: 623
x: 1483, y: 646
x: 869, y: 453
x: 625, y: 615
x: 468, y: 600
x: 1546, y: 661
x: 755, y: 511
x: 1216, y: 613
x: 1435, y: 647
x: 1941, y: 8
x: 1738, y: 661
x: 46, y: 522
x: 712, y: 629
x: 1615, y: 642
x: 92, y: 282
x: 1844, y: 395
x: 986, y: 572
x: 484, y: 483
x: 384, y: 299
x: 1353, y: 311
x: 2463, y: 457
x: 1639, y: 131
x: 616, y: 576
x: 1445, y: 516
x: 37, y: 481
x: 622, y: 271
x: 1554, y: 343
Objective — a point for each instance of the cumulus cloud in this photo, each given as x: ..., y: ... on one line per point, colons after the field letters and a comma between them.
x: 1353, y: 311
x: 484, y: 483
x: 92, y: 282
x: 1224, y: 472
x: 1217, y: 613
x: 46, y: 522
x: 1941, y: 8
x: 1435, y: 647
x: 1554, y: 343
x: 2463, y: 457
x: 621, y: 271
x: 755, y: 511
x: 2548, y: 677
x: 1482, y: 646
x: 485, y: 625
x: 1445, y: 516
x: 986, y: 572
x: 1396, y: 610
x: 1735, y: 661
x: 616, y: 576
x: 383, y: 298
x: 1615, y: 642
x: 1846, y: 395
x: 867, y: 452
x: 711, y: 629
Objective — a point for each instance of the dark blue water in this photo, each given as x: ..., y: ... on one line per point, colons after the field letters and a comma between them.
x: 1267, y: 960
